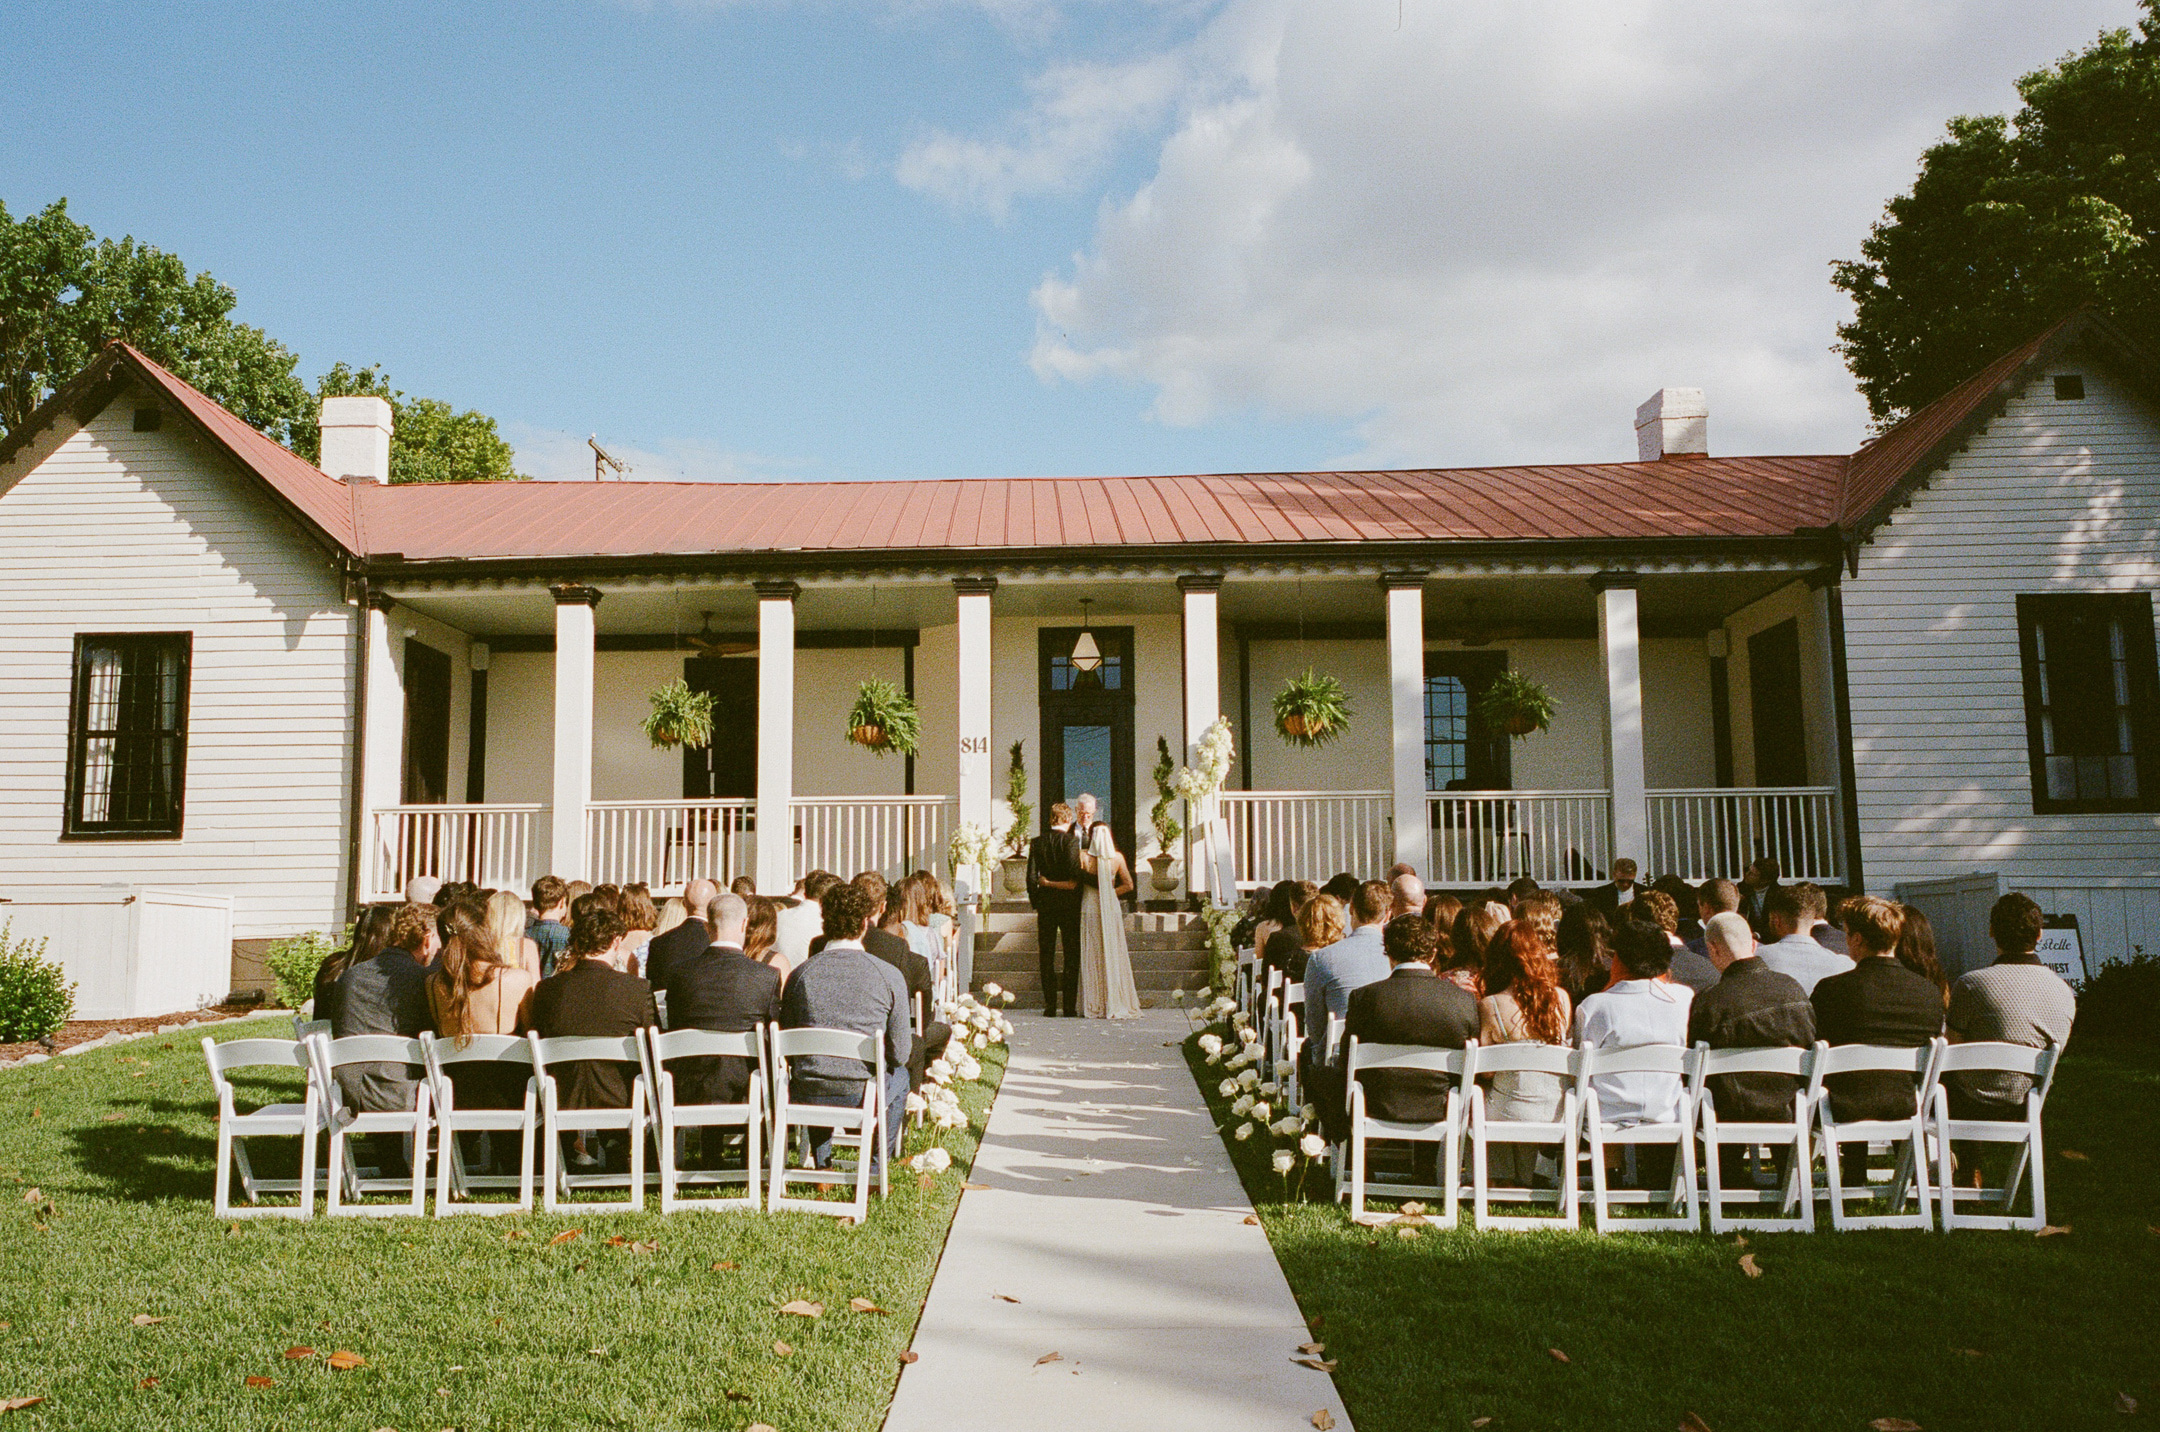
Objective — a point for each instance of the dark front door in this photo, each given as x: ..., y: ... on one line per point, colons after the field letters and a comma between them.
x: 727, y: 768
x: 427, y: 724
x: 1087, y: 728
x: 1774, y: 698
x: 1460, y: 754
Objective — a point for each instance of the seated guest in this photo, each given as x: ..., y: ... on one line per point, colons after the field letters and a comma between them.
x: 1916, y: 950
x: 1286, y: 948
x: 915, y: 900
x: 1406, y: 896
x: 1682, y: 894
x: 641, y: 918
x: 371, y: 931
x: 2015, y: 1000
x: 1358, y: 959
x: 1523, y: 1002
x: 1756, y: 883
x: 1750, y: 1007
x: 473, y: 990
x: 1541, y: 911
x: 761, y: 935
x: 1712, y: 897
x: 1616, y: 894
x: 1688, y: 968
x: 1440, y: 913
x: 722, y: 989
x: 387, y: 995
x: 422, y: 890
x: 844, y: 986
x: 506, y: 924
x: 1343, y: 887
x: 1521, y: 888
x: 886, y: 940
x: 686, y: 941
x: 798, y: 924
x: 1815, y: 917
x: 1468, y: 939
x: 1584, y: 942
x: 1276, y: 914
x: 590, y: 995
x: 742, y: 885
x: 1413, y: 1005
x: 1643, y: 1006
x: 1789, y: 950
x: 1877, y: 1001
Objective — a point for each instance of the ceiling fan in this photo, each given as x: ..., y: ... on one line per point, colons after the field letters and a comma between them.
x: 713, y: 644
x: 1472, y: 632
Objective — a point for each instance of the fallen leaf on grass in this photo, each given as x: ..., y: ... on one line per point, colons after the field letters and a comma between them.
x: 1323, y: 1419
x: 2073, y: 1155
x: 147, y: 1382
x: 2125, y: 1403
x: 734, y: 1396
x: 345, y: 1360
x: 1739, y: 1241
x: 1692, y: 1423
x: 254, y: 1381
x: 144, y: 1320
x: 1556, y: 1354
x: 1966, y: 1351
x: 17, y: 1404
x: 864, y: 1305
x: 1749, y: 1266
x: 2051, y: 1230
x: 645, y: 1245
x: 909, y: 1356
x: 1894, y: 1424
x: 513, y: 1235
x: 294, y: 1354
x: 617, y: 1241
x: 724, y: 1266
x: 781, y: 1349
x: 1317, y: 1364
x: 802, y: 1309
x: 1049, y: 1357
x: 113, y: 1118
x: 1480, y: 1421
x: 1406, y: 1233
x: 565, y: 1236
x: 32, y: 1195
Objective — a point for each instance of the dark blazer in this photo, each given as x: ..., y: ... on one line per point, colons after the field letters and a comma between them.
x: 591, y: 998
x: 686, y: 941
x: 1830, y: 937
x: 1752, y: 1007
x: 894, y: 950
x: 1053, y: 855
x: 1877, y: 1001
x: 385, y: 995
x: 1606, y: 897
x: 722, y: 989
x: 1286, y: 952
x: 1411, y: 1006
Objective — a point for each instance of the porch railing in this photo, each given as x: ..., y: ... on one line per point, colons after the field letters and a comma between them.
x: 1707, y: 831
x: 1493, y: 837
x: 889, y: 834
x: 1307, y: 835
x: 491, y: 845
x: 669, y: 843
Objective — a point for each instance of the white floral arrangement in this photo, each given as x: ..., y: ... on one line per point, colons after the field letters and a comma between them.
x: 972, y: 847
x: 1194, y: 784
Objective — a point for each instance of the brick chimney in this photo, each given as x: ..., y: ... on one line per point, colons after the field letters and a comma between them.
x: 1674, y: 423
x: 356, y: 439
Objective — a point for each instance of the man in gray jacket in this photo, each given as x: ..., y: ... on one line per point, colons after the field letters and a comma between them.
x: 844, y: 986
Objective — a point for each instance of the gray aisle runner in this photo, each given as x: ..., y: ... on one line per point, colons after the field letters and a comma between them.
x: 1112, y: 1233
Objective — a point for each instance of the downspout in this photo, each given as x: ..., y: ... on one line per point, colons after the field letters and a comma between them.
x: 357, y: 832
x: 1848, y: 769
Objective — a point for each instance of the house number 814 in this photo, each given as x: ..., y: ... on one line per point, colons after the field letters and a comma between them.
x: 974, y: 745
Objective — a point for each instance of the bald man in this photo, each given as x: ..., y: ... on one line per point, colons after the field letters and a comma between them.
x: 1751, y: 1006
x: 1406, y: 895
x: 689, y: 939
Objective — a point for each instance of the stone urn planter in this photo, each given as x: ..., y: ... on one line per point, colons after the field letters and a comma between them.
x: 1165, y: 876
x: 1015, y: 869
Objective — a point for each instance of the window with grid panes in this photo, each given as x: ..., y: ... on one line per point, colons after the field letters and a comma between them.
x: 2092, y: 697
x: 127, y: 735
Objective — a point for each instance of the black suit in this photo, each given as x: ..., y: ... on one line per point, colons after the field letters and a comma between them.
x: 1411, y: 1006
x: 1056, y: 856
x: 1877, y: 1001
x: 1286, y: 952
x: 914, y: 969
x: 592, y: 998
x: 724, y: 990
x: 686, y: 941
x: 1830, y: 937
x: 1606, y: 898
x: 1753, y: 1007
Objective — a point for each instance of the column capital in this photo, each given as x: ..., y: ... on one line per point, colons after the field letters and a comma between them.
x: 1200, y: 582
x: 781, y: 590
x: 574, y: 594
x: 377, y: 600
x: 974, y: 586
x: 1615, y: 581
x: 1398, y: 581
x: 1823, y: 577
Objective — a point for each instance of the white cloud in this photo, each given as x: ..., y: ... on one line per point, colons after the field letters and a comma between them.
x: 1486, y: 235
x: 555, y: 455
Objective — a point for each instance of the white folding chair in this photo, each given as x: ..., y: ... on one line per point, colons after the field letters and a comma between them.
x: 1247, y: 984
x: 1909, y: 1180
x: 675, y: 1119
x: 860, y: 1125
x: 1560, y: 1132
x: 1293, y: 1044
x: 555, y: 1121
x: 1791, y: 1137
x: 659, y: 999
x: 1447, y: 1132
x: 451, y: 1175
x: 347, y: 1184
x: 1283, y: 999
x: 304, y: 1028
x: 2037, y: 1065
x: 304, y: 1120
x: 1676, y: 1061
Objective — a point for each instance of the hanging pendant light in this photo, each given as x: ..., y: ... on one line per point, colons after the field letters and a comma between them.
x: 1086, y: 655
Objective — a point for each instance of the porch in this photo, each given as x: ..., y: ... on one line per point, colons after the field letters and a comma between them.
x: 1696, y: 728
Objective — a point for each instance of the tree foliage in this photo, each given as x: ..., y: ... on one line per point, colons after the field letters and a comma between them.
x: 65, y: 293
x: 2012, y: 224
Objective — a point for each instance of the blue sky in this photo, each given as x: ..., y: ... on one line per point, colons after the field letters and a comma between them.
x: 972, y: 237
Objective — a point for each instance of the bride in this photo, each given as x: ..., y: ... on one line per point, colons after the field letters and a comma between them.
x: 1106, y: 980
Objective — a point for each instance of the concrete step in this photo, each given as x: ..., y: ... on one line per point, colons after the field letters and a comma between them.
x: 1027, y: 960
x: 1004, y: 921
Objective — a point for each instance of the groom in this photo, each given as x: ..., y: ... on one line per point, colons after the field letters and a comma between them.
x: 1053, y: 879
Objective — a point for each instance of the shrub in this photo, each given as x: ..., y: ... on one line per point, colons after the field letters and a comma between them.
x: 2122, y: 1000
x: 293, y: 961
x: 35, y: 995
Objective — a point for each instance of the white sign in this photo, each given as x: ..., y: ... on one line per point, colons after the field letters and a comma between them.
x: 2060, y: 948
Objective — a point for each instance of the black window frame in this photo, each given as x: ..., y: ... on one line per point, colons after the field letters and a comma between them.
x: 2135, y: 609
x: 172, y: 824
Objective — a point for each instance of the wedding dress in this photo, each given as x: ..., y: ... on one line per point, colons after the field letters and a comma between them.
x: 1106, y: 979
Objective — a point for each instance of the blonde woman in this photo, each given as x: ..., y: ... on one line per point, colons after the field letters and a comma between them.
x: 506, y: 928
x: 476, y: 987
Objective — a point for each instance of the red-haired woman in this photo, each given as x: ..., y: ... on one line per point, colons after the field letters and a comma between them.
x: 1523, y: 1003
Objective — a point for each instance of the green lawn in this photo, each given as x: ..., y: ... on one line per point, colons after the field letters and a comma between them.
x: 1966, y: 1331
x: 468, y: 1322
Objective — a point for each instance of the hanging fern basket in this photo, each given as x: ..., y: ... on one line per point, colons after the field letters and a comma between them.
x: 1312, y: 710
x: 679, y: 717
x: 883, y: 719
x: 1517, y: 705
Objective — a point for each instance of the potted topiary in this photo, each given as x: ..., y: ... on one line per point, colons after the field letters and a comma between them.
x: 883, y: 719
x: 1515, y: 704
x: 1014, y: 865
x: 680, y: 717
x: 1167, y: 829
x: 1312, y: 710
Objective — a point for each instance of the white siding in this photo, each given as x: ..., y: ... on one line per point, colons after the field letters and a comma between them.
x: 123, y: 531
x: 2052, y: 497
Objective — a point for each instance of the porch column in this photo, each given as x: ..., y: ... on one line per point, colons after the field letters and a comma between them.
x: 382, y: 739
x: 575, y: 606
x: 1203, y: 704
x: 1620, y: 644
x: 776, y: 737
x: 1406, y: 702
x: 973, y: 675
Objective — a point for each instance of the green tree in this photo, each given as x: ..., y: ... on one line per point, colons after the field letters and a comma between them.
x: 429, y: 441
x: 2012, y: 224
x: 65, y: 293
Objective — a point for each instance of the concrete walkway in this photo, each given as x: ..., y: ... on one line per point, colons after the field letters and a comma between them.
x: 1111, y: 1232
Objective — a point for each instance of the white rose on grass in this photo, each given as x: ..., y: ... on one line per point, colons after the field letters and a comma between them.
x: 1308, y: 1113
x: 980, y: 1041
x: 1312, y: 1146
x: 931, y: 1161
x: 1286, y: 1127
x: 1228, y: 1088
x: 992, y: 990
x: 939, y: 1070
x: 916, y: 1104
x: 1243, y: 1105
x: 1215, y: 1058
x: 1250, y: 1079
x: 1244, y: 1132
x: 1261, y: 1111
x: 1209, y: 1043
x: 1270, y: 1089
x: 1283, y: 1160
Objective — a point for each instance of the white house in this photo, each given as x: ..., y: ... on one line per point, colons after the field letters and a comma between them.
x: 232, y: 674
